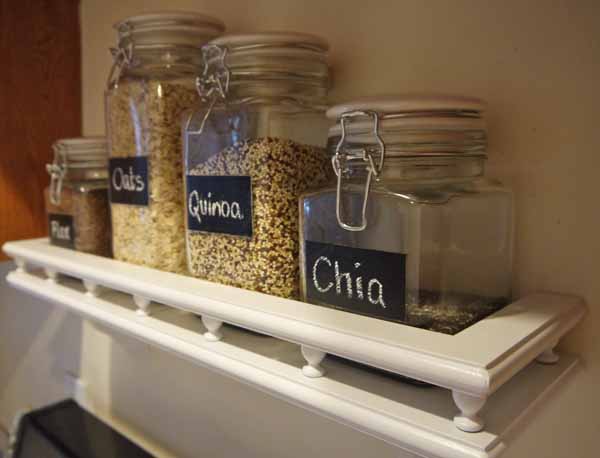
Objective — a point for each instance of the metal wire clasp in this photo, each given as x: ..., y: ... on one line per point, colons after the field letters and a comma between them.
x: 57, y: 171
x: 343, y: 157
x: 122, y: 56
x: 216, y: 74
x: 213, y: 84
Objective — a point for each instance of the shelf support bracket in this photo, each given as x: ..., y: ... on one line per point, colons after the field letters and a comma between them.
x: 548, y: 356
x: 21, y: 266
x: 468, y: 420
x: 91, y: 288
x: 313, y: 357
x: 214, y: 333
x: 51, y: 274
x: 143, y: 305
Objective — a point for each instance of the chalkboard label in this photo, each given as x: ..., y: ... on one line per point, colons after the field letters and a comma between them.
x: 129, y: 180
x: 61, y: 230
x: 219, y: 204
x: 367, y: 282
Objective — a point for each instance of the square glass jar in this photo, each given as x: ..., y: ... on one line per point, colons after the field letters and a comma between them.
x: 77, y: 199
x: 412, y: 231
x: 248, y: 157
x: 150, y: 86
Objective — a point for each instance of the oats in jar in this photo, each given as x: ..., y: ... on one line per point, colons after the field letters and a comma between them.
x: 144, y: 122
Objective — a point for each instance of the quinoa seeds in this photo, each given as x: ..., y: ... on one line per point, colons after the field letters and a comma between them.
x: 280, y: 170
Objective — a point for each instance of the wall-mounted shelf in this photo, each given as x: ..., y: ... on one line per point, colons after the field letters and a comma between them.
x: 473, y: 364
x: 418, y: 420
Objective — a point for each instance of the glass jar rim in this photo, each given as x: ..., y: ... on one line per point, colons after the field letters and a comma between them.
x: 168, y: 28
x: 78, y: 156
x: 271, y: 39
x: 407, y: 124
x: 266, y: 49
x: 412, y: 104
x: 415, y: 124
x: 81, y: 145
x: 80, y: 152
x: 265, y: 57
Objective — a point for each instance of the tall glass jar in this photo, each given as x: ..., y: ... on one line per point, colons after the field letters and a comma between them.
x: 77, y: 198
x: 150, y: 85
x: 251, y: 149
x: 410, y: 230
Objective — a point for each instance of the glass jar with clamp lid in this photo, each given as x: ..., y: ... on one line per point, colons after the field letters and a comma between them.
x: 410, y: 231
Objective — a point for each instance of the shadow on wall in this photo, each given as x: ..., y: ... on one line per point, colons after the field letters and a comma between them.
x: 40, y: 344
x: 193, y: 411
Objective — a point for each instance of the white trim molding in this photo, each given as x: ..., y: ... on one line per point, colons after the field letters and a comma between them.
x: 473, y: 364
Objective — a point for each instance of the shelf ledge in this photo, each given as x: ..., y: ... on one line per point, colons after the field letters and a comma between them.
x: 473, y: 363
x: 417, y: 420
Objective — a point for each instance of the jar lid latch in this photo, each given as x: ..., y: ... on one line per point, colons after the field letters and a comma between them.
x: 57, y: 172
x: 344, y: 156
x: 122, y: 57
x: 213, y: 84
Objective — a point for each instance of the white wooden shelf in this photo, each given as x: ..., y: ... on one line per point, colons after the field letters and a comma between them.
x: 474, y: 363
x: 418, y: 420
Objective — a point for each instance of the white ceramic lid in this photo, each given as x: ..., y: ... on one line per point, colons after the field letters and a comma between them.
x: 169, y: 28
x: 409, y: 103
x: 274, y: 38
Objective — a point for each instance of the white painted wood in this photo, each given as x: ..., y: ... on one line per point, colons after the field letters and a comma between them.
x: 468, y: 420
x: 313, y: 357
x: 91, y: 287
x: 475, y: 362
x: 419, y: 421
x: 143, y: 305
x: 51, y: 274
x: 213, y: 333
x: 548, y: 356
x: 20, y: 263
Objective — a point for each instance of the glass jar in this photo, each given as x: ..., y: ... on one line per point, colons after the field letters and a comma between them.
x: 150, y: 85
x: 410, y: 230
x: 251, y: 149
x: 77, y: 198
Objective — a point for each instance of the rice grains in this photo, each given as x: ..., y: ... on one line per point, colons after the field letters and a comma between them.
x: 88, y: 207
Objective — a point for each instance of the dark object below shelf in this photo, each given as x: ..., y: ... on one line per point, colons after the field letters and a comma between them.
x: 65, y: 430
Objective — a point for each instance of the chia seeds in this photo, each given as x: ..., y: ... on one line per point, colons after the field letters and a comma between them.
x: 89, y: 209
x: 452, y: 313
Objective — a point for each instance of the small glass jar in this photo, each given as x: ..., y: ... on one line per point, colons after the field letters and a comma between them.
x: 150, y: 85
x: 410, y: 231
x: 77, y: 198
x: 251, y: 149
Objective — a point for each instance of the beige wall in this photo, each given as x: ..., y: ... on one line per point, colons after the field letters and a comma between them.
x: 536, y: 63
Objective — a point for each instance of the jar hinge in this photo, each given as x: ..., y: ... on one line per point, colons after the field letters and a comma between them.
x: 343, y: 157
